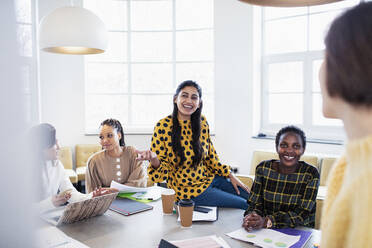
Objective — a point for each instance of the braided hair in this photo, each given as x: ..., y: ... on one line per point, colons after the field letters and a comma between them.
x: 117, y: 125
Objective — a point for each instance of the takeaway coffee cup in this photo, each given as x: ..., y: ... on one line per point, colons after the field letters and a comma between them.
x: 186, y: 208
x: 167, y: 199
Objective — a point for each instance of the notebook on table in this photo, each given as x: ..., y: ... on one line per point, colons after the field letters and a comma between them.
x: 127, y: 206
x: 77, y: 211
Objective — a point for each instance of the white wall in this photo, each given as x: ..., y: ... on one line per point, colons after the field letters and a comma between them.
x: 17, y: 172
x: 62, y: 90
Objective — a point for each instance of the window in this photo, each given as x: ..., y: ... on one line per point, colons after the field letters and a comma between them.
x: 291, y: 54
x: 153, y: 46
x: 26, y: 35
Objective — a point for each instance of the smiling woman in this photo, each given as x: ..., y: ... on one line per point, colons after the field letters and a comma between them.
x: 182, y: 154
x: 284, y: 191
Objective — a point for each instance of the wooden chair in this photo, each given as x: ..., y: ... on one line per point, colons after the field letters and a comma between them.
x: 82, y: 154
x: 325, y: 167
x: 318, y: 213
x: 65, y: 156
x: 246, y: 179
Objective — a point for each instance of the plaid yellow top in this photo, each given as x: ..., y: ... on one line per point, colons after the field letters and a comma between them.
x: 289, y: 200
x: 186, y: 181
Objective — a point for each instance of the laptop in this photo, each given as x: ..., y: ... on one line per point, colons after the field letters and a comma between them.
x: 77, y: 211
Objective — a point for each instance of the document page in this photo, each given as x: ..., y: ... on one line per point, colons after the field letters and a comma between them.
x: 128, y: 189
x: 265, y: 237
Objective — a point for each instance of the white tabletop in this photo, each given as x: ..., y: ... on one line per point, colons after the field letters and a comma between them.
x: 146, y: 229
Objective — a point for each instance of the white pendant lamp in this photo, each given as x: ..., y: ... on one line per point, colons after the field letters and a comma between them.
x: 72, y: 30
x: 288, y: 3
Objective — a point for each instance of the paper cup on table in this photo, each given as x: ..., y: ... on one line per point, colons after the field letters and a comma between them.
x: 186, y: 208
x: 167, y: 198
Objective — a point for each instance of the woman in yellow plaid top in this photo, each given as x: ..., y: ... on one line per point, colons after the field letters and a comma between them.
x: 284, y: 191
x: 182, y: 154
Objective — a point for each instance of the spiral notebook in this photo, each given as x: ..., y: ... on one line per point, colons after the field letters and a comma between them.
x: 127, y: 206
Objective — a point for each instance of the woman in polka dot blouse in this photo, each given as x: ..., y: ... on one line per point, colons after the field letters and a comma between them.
x: 182, y: 154
x: 115, y: 162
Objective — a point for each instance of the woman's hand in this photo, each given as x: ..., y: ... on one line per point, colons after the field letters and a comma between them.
x: 150, y: 156
x: 253, y: 221
x: 61, y: 198
x: 237, y: 183
x: 104, y: 191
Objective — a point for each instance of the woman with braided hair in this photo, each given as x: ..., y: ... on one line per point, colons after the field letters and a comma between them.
x: 116, y: 162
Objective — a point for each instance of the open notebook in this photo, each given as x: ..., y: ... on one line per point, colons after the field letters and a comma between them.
x: 76, y: 211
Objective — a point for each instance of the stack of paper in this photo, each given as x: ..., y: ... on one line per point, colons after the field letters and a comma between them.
x: 202, y: 242
x: 265, y: 237
x: 128, y: 189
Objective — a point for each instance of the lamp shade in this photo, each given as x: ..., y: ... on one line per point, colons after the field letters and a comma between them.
x: 72, y: 30
x: 288, y: 3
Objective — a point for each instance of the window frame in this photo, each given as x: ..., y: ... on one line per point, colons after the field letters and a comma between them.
x: 322, y: 133
x: 32, y: 86
x: 129, y: 127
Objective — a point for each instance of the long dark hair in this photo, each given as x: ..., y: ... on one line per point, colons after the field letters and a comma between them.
x: 41, y: 137
x: 117, y: 125
x: 195, y: 127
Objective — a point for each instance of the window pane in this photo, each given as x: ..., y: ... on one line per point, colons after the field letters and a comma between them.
x: 106, y: 78
x: 192, y: 14
x: 101, y: 107
x: 318, y: 28
x: 285, y: 77
x: 285, y: 108
x: 194, y: 45
x: 112, y: 13
x: 318, y: 118
x: 148, y: 110
x: 152, y: 78
x: 275, y: 12
x: 316, y: 68
x: 202, y: 73
x: 288, y: 35
x: 116, y: 50
x: 334, y: 6
x: 24, y: 35
x: 26, y: 79
x: 151, y: 15
x: 28, y: 107
x: 23, y: 11
x: 208, y: 109
x: 152, y: 47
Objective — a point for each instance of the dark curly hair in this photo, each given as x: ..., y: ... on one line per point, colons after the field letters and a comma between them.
x: 290, y: 129
x: 117, y: 125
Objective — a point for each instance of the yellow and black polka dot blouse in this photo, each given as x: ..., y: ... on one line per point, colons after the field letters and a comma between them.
x: 186, y: 181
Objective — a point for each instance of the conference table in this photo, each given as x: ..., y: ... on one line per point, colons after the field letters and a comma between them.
x: 147, y: 228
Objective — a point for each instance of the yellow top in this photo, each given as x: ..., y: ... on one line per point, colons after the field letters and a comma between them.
x: 346, y: 216
x: 186, y: 181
